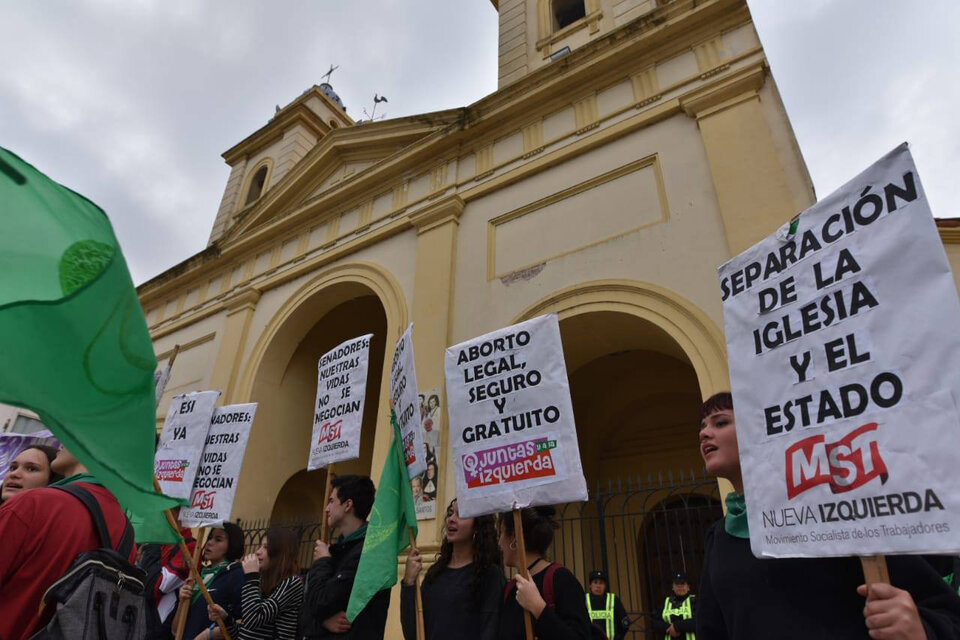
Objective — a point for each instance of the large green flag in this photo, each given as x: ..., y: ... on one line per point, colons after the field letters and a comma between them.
x: 73, y: 340
x: 388, y: 532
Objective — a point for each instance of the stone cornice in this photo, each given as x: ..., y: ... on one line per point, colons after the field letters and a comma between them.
x: 439, y: 213
x: 718, y: 95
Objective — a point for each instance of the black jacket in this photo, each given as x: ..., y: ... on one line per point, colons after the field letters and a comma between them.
x: 329, y: 583
x: 742, y: 597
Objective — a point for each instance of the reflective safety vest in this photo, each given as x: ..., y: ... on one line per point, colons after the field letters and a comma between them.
x: 605, y: 614
x: 685, y: 611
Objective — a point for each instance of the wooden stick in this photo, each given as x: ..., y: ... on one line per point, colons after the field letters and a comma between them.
x: 186, y: 556
x: 524, y: 570
x: 327, y: 490
x: 875, y: 569
x: 420, y: 627
x: 173, y: 356
x: 184, y: 605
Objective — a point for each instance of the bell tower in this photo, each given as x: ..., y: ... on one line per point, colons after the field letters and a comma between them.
x: 534, y: 33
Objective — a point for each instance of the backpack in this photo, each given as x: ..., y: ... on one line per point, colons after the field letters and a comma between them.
x: 550, y: 598
x: 100, y: 597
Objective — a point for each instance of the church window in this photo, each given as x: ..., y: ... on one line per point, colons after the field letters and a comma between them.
x: 566, y: 12
x: 256, y: 185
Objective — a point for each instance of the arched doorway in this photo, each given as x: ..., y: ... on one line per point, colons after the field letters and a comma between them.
x: 283, y: 378
x: 639, y: 360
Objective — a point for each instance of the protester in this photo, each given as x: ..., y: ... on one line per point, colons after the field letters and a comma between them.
x: 463, y: 589
x: 166, y: 570
x: 743, y: 597
x: 272, y: 590
x: 223, y: 577
x: 330, y: 579
x: 553, y: 596
x: 677, y: 619
x: 43, y: 531
x: 30, y: 469
x: 605, y: 609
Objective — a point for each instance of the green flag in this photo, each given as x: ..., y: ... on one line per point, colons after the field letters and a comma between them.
x: 392, y: 516
x: 73, y: 338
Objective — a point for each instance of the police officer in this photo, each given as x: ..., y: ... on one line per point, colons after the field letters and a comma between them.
x: 677, y: 619
x: 605, y: 609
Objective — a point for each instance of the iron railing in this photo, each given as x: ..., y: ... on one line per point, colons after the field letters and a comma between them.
x: 639, y: 531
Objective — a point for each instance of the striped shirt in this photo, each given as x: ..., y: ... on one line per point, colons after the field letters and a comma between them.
x: 270, y: 618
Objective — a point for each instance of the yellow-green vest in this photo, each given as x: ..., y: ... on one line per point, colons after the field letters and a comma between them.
x: 605, y: 614
x: 685, y: 611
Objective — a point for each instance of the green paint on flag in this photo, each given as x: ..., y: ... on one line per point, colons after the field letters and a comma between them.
x: 392, y: 515
x: 75, y: 344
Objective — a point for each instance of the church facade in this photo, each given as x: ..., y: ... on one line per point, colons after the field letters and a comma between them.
x: 632, y: 147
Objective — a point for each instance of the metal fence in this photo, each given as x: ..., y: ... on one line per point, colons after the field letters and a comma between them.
x: 640, y: 531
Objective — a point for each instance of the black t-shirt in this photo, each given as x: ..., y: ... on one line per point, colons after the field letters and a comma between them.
x: 567, y: 620
x: 450, y: 609
x: 742, y: 597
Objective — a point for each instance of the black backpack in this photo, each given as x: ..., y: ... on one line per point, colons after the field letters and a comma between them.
x: 100, y: 597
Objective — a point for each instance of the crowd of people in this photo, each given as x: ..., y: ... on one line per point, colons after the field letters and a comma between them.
x: 464, y: 592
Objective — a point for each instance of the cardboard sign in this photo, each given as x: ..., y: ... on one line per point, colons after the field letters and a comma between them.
x: 338, y: 412
x: 12, y: 444
x: 405, y: 394
x: 181, y: 441
x: 511, y: 420
x: 845, y: 370
x: 426, y: 486
x: 215, y: 486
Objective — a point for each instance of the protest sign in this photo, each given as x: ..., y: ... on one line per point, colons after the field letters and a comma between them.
x: 181, y: 441
x: 845, y: 369
x: 12, y: 444
x: 426, y: 486
x: 405, y: 394
x: 511, y: 420
x: 338, y: 413
x: 216, y: 483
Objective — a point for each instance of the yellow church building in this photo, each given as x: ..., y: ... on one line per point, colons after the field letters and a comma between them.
x: 632, y: 147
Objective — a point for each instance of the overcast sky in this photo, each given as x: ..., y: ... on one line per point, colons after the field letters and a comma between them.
x: 131, y: 102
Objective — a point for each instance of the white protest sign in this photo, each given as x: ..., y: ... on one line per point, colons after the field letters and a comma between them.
x: 845, y: 369
x: 338, y: 412
x: 216, y: 483
x: 511, y: 420
x: 406, y: 398
x: 181, y: 442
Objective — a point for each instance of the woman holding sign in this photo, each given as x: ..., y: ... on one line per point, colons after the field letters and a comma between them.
x: 553, y: 596
x: 463, y: 589
x: 743, y: 597
x: 224, y: 579
x: 272, y: 591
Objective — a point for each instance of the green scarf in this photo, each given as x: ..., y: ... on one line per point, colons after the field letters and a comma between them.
x: 735, y: 522
x: 78, y: 477
x: 208, y: 574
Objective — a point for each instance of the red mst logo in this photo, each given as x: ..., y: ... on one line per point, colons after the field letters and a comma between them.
x: 203, y: 499
x: 846, y: 464
x: 329, y: 432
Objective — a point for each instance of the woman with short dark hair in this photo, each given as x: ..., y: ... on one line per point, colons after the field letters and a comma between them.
x: 744, y: 597
x: 553, y: 595
x: 30, y: 469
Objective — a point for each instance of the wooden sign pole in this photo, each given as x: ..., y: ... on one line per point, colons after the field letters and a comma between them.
x: 420, y: 627
x: 875, y: 570
x: 524, y: 571
x: 184, y: 604
x: 327, y: 491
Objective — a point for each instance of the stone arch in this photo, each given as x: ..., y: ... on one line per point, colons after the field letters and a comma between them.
x: 699, y: 338
x: 334, y: 305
